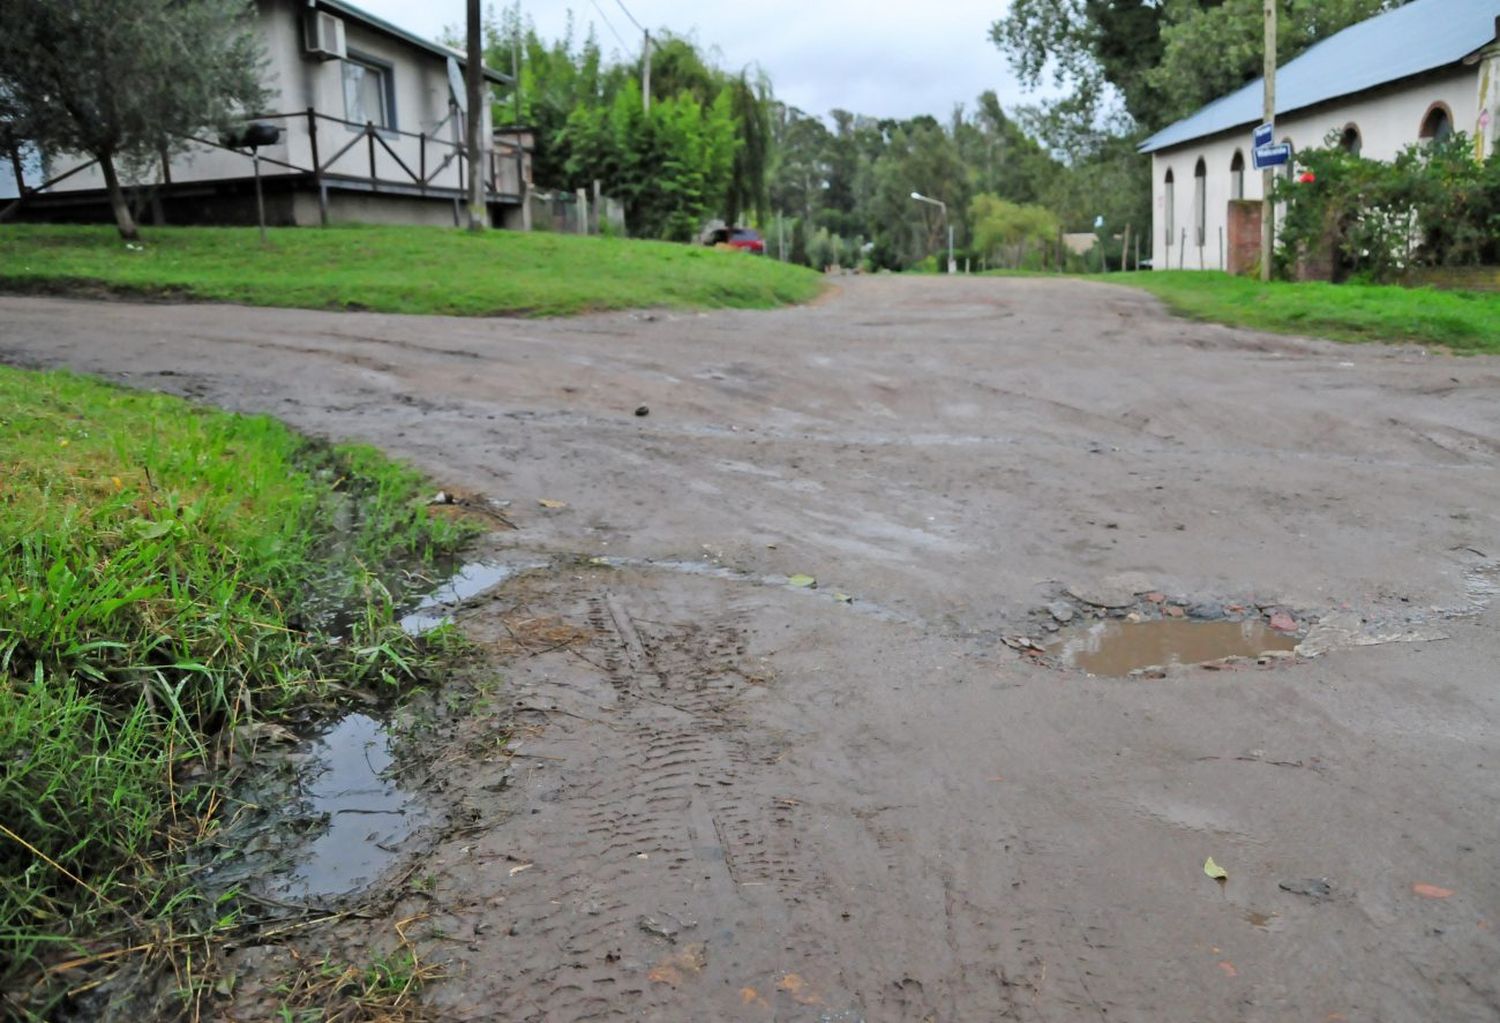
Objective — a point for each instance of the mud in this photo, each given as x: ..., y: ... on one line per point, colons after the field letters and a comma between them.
x: 717, y: 798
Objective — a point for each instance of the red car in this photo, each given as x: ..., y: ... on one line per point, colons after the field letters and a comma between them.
x: 742, y: 238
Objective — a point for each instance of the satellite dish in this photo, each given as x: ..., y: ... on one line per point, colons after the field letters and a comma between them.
x: 456, y: 86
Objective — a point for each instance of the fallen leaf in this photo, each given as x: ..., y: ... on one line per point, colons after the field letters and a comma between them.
x: 750, y: 996
x: 673, y: 969
x: 843, y: 598
x: 802, y: 582
x: 524, y: 866
x: 1215, y: 871
x: 1431, y: 891
x: 798, y: 988
x: 119, y: 484
x: 552, y: 505
x: 1228, y: 968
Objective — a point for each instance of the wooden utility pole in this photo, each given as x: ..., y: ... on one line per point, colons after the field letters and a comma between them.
x: 474, y: 129
x: 1268, y: 175
x: 646, y: 75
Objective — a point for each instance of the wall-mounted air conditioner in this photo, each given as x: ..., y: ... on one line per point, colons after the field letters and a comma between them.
x: 325, y: 36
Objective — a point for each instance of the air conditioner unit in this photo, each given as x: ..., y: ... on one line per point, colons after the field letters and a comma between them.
x: 325, y: 36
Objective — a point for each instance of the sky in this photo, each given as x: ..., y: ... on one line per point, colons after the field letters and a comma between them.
x: 875, y: 57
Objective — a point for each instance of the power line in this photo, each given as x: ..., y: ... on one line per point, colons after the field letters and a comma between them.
x: 610, y: 25
x: 637, y: 24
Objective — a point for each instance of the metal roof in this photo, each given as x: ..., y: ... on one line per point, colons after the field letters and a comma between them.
x: 349, y: 11
x: 1423, y: 35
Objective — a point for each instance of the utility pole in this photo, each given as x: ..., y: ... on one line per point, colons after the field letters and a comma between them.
x: 515, y: 63
x: 646, y: 75
x: 1268, y: 175
x: 474, y: 89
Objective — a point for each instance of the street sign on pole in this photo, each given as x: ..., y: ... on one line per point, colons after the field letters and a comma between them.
x: 1263, y: 136
x: 1266, y: 157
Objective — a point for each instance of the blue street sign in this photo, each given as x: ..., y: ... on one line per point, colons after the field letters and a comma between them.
x: 1272, y: 156
x: 1263, y: 136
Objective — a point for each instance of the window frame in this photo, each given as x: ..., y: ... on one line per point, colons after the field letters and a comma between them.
x: 1237, y: 175
x: 1358, y: 136
x: 387, y: 72
x: 1200, y: 202
x: 1437, y: 107
x: 1169, y: 192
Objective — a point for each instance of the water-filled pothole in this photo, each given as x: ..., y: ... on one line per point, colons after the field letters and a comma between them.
x: 1116, y: 648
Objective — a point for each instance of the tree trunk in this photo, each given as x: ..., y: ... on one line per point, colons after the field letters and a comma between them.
x: 476, y: 130
x: 123, y: 219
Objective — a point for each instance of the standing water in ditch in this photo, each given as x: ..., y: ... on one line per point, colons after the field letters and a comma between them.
x: 1117, y: 648
x: 368, y: 813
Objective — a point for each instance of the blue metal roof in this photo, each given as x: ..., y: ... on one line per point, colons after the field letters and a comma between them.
x: 1420, y: 36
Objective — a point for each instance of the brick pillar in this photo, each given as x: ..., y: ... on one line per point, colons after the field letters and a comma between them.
x: 1243, y: 236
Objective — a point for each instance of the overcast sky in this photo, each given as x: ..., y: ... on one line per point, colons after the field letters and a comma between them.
x: 876, y: 57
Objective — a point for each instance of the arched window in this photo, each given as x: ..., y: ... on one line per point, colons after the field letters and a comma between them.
x: 1200, y: 201
x: 1438, y: 123
x: 1169, y: 216
x: 1237, y: 176
x: 1288, y: 168
x: 1350, y: 141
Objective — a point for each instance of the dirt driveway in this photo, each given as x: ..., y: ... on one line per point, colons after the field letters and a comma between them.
x: 737, y: 798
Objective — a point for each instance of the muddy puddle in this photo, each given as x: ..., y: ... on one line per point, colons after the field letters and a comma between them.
x: 1116, y: 648
x: 319, y: 821
x: 472, y: 579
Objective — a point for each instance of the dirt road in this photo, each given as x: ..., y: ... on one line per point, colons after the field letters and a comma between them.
x: 740, y: 799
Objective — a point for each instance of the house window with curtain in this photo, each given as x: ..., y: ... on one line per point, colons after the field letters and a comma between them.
x: 369, y: 96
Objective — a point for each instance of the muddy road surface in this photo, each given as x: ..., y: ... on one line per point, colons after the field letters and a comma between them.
x: 731, y: 794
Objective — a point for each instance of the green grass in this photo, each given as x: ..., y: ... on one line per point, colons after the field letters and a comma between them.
x: 1464, y: 321
x: 396, y: 270
x: 165, y: 575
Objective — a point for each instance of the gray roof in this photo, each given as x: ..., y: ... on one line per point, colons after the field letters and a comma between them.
x: 352, y: 13
x: 1423, y: 35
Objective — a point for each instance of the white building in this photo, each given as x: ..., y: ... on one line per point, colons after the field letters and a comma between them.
x: 369, y: 131
x: 1422, y: 70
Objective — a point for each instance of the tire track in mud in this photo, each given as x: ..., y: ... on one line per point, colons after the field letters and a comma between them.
x: 663, y: 831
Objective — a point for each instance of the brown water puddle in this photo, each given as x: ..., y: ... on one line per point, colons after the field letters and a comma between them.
x: 1116, y: 648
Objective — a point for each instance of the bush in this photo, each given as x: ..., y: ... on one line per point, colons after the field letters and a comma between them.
x: 1434, y: 205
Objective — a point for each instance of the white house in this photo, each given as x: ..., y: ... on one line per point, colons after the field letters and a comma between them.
x: 1419, y: 71
x: 370, y: 131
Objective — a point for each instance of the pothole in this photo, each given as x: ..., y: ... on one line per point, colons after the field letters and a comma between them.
x: 1117, y: 648
x: 469, y: 581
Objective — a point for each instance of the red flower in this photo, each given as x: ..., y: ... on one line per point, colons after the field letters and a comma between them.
x: 1307, y: 177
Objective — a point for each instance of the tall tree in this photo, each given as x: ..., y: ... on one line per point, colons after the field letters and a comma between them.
x: 126, y: 80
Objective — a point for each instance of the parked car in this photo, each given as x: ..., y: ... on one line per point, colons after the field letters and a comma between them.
x: 742, y: 238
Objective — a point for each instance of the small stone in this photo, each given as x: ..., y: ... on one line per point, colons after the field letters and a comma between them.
x: 1207, y: 612
x: 1173, y: 611
x: 1283, y: 622
x: 1135, y: 618
x: 1156, y: 598
x: 642, y: 411
x: 1061, y: 611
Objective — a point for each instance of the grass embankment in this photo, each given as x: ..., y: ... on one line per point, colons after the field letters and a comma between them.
x: 159, y: 564
x: 396, y: 270
x: 1462, y: 320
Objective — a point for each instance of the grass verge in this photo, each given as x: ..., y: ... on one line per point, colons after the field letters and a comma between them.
x: 165, y: 572
x: 1464, y: 321
x: 395, y: 270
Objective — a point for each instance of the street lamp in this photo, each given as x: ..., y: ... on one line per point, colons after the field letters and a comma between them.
x: 952, y: 266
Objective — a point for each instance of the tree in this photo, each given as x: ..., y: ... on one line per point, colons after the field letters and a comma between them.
x: 125, y: 81
x: 1008, y: 228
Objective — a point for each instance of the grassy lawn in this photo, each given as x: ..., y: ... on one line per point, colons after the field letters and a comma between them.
x: 1464, y: 321
x: 396, y: 270
x: 165, y: 573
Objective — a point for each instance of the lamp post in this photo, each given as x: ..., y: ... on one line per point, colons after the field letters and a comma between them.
x: 944, y: 207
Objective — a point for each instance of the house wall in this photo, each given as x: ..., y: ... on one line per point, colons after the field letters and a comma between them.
x: 297, y: 80
x: 1388, y: 121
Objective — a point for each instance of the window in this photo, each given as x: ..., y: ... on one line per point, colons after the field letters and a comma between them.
x: 368, y: 93
x: 1200, y: 202
x: 1349, y: 141
x: 1169, y: 217
x: 1237, y: 176
x: 1438, y: 124
x: 1288, y: 168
